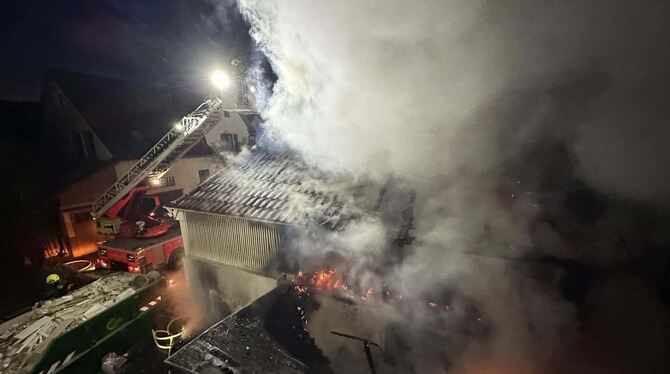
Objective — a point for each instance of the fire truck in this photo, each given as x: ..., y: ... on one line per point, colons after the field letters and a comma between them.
x: 142, y: 234
x: 141, y: 255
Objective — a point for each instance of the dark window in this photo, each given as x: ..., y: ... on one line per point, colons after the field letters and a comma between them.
x: 80, y: 217
x: 78, y: 145
x: 226, y: 114
x: 203, y: 174
x: 230, y: 142
x: 88, y: 143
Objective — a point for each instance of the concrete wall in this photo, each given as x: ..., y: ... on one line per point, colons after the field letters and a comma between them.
x: 77, y: 201
x: 219, y: 290
x: 82, y: 235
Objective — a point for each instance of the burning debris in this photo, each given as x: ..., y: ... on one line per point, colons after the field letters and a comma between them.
x: 322, y: 280
x: 334, y: 282
x: 330, y: 300
x: 290, y: 328
x: 27, y: 336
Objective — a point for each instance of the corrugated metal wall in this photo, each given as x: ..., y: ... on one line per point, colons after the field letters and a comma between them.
x: 232, y: 241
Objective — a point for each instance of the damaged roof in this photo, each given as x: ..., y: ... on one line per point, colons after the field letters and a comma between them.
x: 277, y: 187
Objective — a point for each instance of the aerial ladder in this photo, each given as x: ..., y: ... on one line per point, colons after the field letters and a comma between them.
x: 160, y: 158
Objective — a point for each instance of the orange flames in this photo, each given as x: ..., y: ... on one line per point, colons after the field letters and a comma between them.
x: 330, y: 280
x: 322, y: 280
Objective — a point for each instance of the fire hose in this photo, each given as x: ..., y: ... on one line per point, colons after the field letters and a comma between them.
x: 164, y: 339
x: 88, y: 265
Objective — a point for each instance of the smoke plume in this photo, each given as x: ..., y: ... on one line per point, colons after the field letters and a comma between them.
x: 499, y: 114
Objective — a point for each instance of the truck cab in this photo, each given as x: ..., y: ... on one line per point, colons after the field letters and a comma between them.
x: 141, y: 255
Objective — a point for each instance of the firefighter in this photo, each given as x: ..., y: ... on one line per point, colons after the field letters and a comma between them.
x: 56, y: 287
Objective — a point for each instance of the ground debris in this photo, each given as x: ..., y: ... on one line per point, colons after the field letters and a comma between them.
x: 25, y: 337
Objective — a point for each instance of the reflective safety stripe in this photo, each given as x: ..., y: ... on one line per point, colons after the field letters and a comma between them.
x: 151, y: 304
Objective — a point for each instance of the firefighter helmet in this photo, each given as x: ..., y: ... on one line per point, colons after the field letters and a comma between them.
x: 52, y: 278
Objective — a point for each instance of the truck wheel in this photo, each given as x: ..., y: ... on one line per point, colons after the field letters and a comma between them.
x: 176, y: 260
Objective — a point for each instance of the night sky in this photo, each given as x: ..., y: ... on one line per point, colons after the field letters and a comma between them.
x: 153, y: 40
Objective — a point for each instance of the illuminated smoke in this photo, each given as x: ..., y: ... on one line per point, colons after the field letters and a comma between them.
x: 464, y: 101
x: 423, y: 90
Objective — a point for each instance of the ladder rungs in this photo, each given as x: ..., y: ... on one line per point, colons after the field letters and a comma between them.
x: 160, y: 158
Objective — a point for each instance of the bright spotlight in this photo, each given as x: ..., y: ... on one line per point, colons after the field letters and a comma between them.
x: 179, y: 127
x: 252, y: 89
x: 155, y: 182
x: 219, y: 79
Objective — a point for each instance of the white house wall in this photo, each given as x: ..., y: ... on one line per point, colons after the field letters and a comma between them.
x: 185, y: 172
x: 228, y: 125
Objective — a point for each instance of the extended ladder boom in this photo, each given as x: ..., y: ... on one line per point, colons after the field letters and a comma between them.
x: 162, y: 156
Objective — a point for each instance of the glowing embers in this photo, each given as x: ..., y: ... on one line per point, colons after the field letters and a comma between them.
x: 322, y: 280
x: 334, y: 282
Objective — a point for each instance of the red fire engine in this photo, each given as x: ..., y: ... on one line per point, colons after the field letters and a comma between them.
x: 143, y: 237
x: 141, y: 255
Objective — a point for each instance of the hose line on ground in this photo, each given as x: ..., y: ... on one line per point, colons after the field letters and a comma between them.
x: 87, y: 265
x: 164, y: 339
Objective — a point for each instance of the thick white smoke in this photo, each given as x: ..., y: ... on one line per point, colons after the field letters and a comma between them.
x: 410, y: 88
x: 461, y: 98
